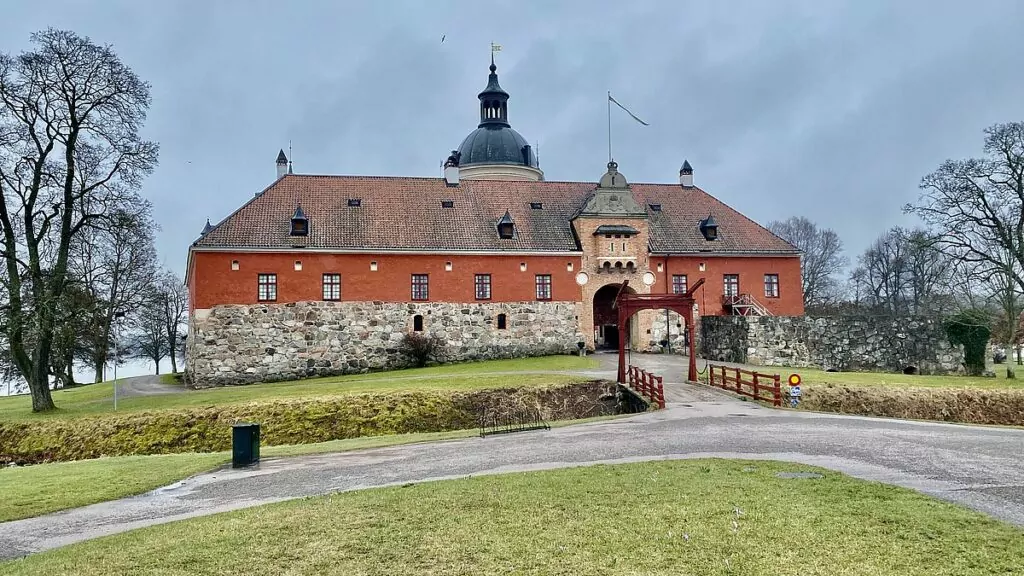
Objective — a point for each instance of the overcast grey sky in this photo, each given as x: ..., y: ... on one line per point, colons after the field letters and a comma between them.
x: 833, y: 110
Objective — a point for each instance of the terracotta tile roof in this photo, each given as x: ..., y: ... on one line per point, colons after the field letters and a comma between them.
x: 400, y: 213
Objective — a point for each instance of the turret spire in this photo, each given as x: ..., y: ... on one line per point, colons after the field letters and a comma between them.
x: 493, y: 101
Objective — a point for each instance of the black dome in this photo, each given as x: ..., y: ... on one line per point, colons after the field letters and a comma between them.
x: 496, y: 144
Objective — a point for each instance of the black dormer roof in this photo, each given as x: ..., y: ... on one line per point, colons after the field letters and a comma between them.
x: 506, y: 227
x: 300, y: 223
x: 709, y: 228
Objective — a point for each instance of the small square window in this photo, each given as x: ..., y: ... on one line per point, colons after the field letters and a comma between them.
x: 447, y: 266
x: 543, y: 287
x: 298, y: 264
x: 568, y: 266
x: 266, y: 287
x: 332, y: 286
x: 679, y: 283
x: 234, y: 264
x: 355, y: 202
x: 373, y: 266
x: 502, y: 322
x: 661, y: 267
x: 522, y: 266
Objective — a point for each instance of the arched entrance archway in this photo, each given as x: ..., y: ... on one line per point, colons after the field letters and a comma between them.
x: 606, y: 318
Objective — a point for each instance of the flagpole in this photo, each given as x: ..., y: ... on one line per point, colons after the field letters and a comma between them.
x: 609, y: 126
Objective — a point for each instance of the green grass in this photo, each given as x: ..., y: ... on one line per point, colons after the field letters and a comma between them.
x: 670, y: 517
x: 812, y: 377
x: 98, y: 398
x: 43, y: 488
x: 34, y: 490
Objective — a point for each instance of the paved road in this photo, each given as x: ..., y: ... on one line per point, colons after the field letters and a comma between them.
x: 147, y: 385
x: 978, y: 467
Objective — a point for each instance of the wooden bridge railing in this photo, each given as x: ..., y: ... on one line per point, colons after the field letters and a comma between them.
x: 756, y: 385
x: 647, y: 384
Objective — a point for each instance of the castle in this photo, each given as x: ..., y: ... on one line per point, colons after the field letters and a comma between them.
x: 319, y: 275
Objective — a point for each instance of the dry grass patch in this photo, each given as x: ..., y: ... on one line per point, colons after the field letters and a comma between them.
x: 974, y: 406
x: 287, y: 421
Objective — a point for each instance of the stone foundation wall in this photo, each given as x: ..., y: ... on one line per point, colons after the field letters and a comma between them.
x: 676, y: 332
x: 242, y: 344
x: 843, y: 343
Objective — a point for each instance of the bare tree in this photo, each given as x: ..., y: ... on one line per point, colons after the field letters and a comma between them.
x: 902, y: 272
x: 116, y: 263
x: 976, y: 206
x: 822, y: 259
x: 70, y: 155
x: 175, y: 307
x: 149, y: 339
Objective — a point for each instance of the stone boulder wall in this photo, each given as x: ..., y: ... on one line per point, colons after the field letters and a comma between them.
x: 845, y: 343
x: 242, y: 344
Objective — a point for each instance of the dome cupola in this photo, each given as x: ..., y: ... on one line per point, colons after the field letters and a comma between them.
x: 494, y: 151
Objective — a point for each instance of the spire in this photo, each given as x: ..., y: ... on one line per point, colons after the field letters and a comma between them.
x: 493, y: 101
x: 282, y: 164
x: 207, y: 228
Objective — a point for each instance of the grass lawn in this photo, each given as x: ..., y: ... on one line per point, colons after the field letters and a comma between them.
x: 812, y: 377
x: 98, y: 398
x: 43, y: 488
x: 669, y: 517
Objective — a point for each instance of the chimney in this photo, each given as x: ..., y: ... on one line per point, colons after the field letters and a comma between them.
x: 686, y: 175
x: 451, y: 169
x: 282, y: 164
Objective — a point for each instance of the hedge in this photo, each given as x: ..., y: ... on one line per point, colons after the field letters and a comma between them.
x: 283, y: 421
x: 966, y: 405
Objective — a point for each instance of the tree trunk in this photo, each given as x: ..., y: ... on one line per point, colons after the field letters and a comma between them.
x: 156, y: 362
x: 174, y: 358
x: 98, y: 366
x: 39, y: 386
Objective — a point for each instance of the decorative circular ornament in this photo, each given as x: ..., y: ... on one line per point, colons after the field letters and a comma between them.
x: 648, y: 278
x: 582, y: 278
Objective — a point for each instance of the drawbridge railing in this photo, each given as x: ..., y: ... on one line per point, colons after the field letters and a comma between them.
x: 756, y: 385
x: 647, y: 385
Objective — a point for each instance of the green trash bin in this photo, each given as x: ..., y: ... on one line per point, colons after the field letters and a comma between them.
x: 245, y: 444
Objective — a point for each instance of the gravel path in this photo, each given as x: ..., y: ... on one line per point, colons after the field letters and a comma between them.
x: 979, y: 467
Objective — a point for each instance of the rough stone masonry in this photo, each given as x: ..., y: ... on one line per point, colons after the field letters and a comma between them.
x: 842, y: 343
x: 242, y: 344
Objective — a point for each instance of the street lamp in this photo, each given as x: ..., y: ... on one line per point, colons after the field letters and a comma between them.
x: 117, y: 316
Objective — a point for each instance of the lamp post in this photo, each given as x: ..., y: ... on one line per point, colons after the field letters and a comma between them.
x: 117, y: 316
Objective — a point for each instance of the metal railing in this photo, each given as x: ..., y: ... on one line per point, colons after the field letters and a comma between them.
x: 507, y: 421
x: 647, y: 385
x: 743, y: 304
x: 756, y: 385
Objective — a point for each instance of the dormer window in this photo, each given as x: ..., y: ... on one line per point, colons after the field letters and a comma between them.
x: 655, y: 207
x: 709, y: 228
x: 300, y: 223
x: 447, y: 203
x: 506, y: 227
x: 355, y: 202
x: 536, y: 205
